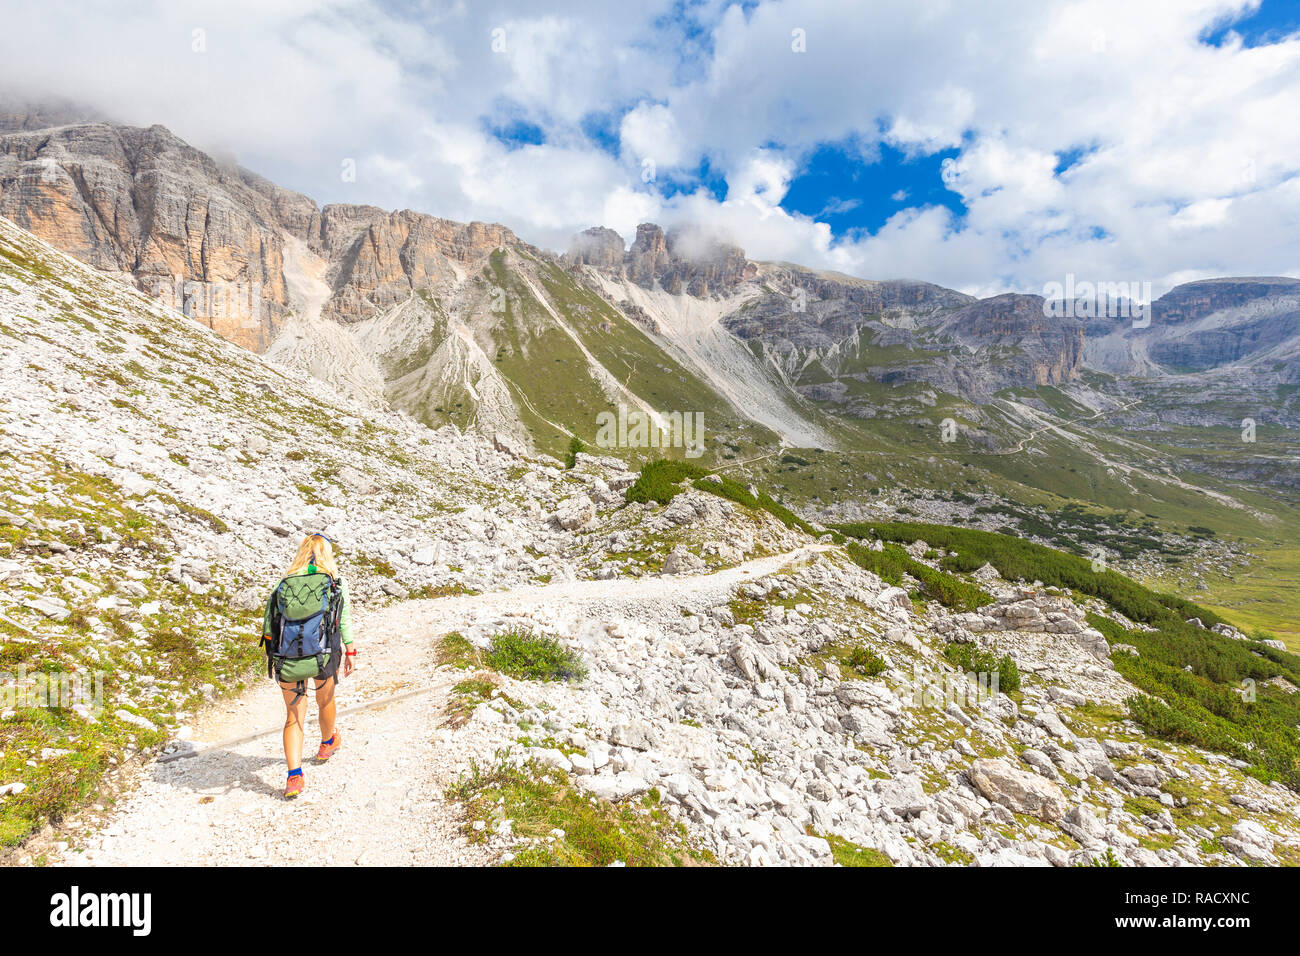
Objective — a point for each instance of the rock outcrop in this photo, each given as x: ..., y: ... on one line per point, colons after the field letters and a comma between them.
x: 379, y: 259
x: 685, y: 261
x: 203, y: 238
x: 1017, y: 790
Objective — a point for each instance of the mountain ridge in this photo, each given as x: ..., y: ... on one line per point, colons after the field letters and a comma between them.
x: 467, y: 324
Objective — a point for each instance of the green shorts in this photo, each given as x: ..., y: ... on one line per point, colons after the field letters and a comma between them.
x: 302, y: 668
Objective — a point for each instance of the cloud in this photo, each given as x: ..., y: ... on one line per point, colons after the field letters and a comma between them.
x: 838, y: 206
x: 650, y: 132
x: 1186, y: 156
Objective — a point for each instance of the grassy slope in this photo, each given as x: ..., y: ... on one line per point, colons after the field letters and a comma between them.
x: 543, y: 362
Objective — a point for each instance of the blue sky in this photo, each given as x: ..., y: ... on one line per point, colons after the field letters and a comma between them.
x: 984, y: 146
x: 1270, y: 22
x: 852, y: 195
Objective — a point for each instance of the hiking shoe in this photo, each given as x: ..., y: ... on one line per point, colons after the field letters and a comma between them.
x: 329, y: 750
x: 293, y: 786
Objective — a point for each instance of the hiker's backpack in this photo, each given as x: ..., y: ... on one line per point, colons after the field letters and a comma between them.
x: 304, y: 639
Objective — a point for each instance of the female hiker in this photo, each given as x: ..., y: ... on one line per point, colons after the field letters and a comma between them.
x: 307, y: 632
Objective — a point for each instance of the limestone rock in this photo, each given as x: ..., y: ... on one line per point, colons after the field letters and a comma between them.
x: 1017, y: 790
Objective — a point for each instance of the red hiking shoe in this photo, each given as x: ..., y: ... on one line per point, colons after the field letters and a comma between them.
x: 328, y: 750
x: 294, y: 785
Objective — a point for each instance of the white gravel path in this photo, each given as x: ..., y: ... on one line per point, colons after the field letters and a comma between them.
x: 380, y: 799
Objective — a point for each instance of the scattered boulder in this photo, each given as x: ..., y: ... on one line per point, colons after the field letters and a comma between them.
x: 1017, y: 790
x: 1144, y: 775
x: 903, y: 794
x: 681, y: 561
x: 575, y: 512
x: 1082, y: 824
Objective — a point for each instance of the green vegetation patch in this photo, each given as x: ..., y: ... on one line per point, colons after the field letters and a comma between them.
x: 865, y: 662
x: 660, y: 481
x: 972, y: 659
x: 576, y: 447
x: 1019, y: 559
x: 1210, y: 692
x: 1200, y: 688
x: 525, y: 655
x: 455, y: 650
x: 850, y: 854
x: 891, y: 562
x: 564, y: 827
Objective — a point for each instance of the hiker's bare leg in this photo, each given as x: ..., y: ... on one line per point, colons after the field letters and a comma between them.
x: 325, y: 708
x: 295, y: 719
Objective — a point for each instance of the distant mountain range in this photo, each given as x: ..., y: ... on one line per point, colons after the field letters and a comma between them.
x: 467, y: 323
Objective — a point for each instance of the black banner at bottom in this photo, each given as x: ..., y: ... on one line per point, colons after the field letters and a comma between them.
x: 144, y: 905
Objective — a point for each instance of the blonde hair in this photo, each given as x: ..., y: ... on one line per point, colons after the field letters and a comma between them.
x: 315, y: 549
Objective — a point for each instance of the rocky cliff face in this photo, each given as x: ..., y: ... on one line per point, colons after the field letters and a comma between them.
x: 818, y: 328
x: 811, y: 310
x: 209, y: 239
x: 1242, y: 334
x: 1042, y: 350
x: 379, y: 259
x: 1196, y: 300
x: 1216, y: 322
x: 203, y: 238
x: 682, y: 262
x: 598, y: 247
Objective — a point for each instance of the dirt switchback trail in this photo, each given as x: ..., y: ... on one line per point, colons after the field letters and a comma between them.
x: 380, y: 800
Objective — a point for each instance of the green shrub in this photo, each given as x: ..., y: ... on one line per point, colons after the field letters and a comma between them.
x: 891, y: 562
x: 973, y: 660
x: 660, y: 479
x: 1202, y: 706
x: 866, y: 662
x: 522, y: 654
x: 888, y: 564
x: 1017, y: 558
x: 1191, y: 678
x: 576, y: 448
x: 1008, y: 675
x: 455, y: 650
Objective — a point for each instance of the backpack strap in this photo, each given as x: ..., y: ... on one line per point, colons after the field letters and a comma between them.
x: 277, y: 629
x: 336, y: 654
x: 326, y: 599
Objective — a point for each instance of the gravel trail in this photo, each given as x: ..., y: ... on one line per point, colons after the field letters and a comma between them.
x: 380, y: 800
